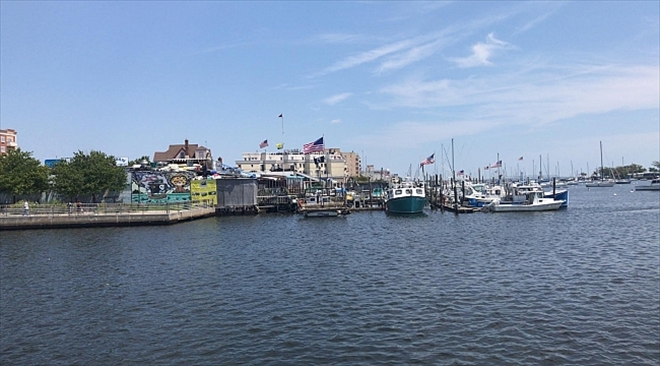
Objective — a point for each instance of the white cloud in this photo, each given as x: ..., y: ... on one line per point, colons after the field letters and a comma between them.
x: 335, y: 121
x: 412, y: 55
x: 481, y: 52
x: 537, y: 95
x: 368, y: 56
x: 336, y: 98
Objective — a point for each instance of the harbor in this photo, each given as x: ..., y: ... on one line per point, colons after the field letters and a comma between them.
x: 439, y: 198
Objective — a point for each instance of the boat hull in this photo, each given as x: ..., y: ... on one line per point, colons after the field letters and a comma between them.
x: 599, y: 184
x: 406, y: 205
x: 648, y: 188
x: 516, y: 207
x: 322, y: 213
x: 559, y: 196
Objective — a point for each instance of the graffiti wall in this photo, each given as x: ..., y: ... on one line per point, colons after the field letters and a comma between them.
x: 160, y: 187
x: 204, y: 190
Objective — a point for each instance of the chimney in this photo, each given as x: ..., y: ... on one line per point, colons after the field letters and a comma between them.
x: 186, y: 149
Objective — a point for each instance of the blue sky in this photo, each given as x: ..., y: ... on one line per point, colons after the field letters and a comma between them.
x: 392, y: 81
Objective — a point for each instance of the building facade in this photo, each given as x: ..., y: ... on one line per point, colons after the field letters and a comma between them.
x: 7, y: 140
x: 329, y: 164
x: 185, y: 153
x: 353, y: 164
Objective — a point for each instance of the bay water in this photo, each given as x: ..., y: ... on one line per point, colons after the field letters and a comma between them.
x: 577, y: 286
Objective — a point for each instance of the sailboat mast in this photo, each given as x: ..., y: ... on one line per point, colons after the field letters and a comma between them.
x: 453, y: 165
x: 601, y: 161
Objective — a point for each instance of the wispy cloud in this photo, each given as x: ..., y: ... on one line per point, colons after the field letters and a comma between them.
x: 534, y: 22
x: 546, y: 94
x: 340, y: 38
x: 481, y: 52
x: 412, y: 55
x: 335, y: 121
x: 368, y: 56
x: 336, y: 98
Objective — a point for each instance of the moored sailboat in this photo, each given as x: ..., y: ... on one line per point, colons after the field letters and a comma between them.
x: 601, y: 182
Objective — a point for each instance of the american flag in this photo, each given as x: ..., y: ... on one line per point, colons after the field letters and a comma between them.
x: 460, y: 172
x: 315, y: 146
x: 498, y: 164
x: 429, y: 160
x: 263, y: 144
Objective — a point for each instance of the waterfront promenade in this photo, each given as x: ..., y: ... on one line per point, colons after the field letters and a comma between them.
x: 49, y: 217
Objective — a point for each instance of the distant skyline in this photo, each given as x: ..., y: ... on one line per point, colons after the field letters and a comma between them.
x: 392, y: 81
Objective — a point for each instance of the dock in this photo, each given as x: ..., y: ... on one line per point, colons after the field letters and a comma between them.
x: 452, y: 208
x: 52, y: 219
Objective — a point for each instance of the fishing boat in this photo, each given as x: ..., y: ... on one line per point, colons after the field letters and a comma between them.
x: 533, y: 202
x: 601, y: 182
x: 525, y: 198
x: 407, y: 197
x: 654, y: 186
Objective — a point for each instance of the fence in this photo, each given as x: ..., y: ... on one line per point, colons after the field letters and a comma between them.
x: 99, y: 208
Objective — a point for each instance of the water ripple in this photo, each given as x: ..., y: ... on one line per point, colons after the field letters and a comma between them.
x: 580, y: 286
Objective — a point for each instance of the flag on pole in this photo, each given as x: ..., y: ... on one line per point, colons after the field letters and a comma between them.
x: 497, y: 164
x: 314, y: 146
x: 520, y: 158
x: 279, y: 145
x: 280, y: 116
x: 460, y: 172
x: 429, y: 160
x: 263, y: 144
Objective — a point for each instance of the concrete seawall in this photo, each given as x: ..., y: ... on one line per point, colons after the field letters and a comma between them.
x: 51, y: 221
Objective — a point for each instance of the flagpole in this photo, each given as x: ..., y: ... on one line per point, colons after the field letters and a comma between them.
x: 282, y: 117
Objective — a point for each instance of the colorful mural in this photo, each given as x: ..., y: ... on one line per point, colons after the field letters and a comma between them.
x: 160, y: 187
x: 204, y: 190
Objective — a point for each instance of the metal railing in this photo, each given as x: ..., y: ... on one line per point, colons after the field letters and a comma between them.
x: 98, y: 208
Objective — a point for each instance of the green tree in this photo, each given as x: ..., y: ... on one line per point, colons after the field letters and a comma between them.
x: 88, y: 174
x: 20, y: 173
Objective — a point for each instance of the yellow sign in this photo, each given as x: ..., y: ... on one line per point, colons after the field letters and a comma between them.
x: 204, y: 190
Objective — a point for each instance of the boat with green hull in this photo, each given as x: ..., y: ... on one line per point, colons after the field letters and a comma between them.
x: 406, y: 198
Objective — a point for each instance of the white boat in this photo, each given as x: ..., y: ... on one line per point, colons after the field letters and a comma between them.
x: 479, y: 195
x: 600, y: 183
x: 654, y: 186
x: 525, y: 198
x: 407, y: 197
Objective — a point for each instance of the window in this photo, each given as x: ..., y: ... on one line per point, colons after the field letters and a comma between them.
x: 2, y: 149
x: 2, y: 139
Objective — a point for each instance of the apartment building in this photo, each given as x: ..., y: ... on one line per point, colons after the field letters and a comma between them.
x: 327, y: 164
x: 7, y: 140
